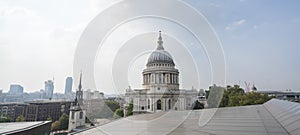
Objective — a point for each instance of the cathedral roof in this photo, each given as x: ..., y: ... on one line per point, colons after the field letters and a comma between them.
x: 254, y: 88
x: 160, y: 55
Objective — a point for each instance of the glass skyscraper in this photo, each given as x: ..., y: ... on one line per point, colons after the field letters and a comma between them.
x: 68, y: 86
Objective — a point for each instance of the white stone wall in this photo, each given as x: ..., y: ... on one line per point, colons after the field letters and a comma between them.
x: 76, y: 121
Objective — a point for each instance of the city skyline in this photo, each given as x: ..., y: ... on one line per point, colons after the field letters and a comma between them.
x: 260, y: 47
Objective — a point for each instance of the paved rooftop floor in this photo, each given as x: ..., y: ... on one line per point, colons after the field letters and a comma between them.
x: 245, y: 120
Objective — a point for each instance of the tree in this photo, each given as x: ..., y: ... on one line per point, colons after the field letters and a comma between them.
x: 198, y: 105
x: 64, y: 121
x: 55, y: 126
x: 118, y: 113
x: 215, y: 96
x: 113, y: 105
x: 130, y: 109
x: 5, y: 119
x: 61, y: 124
x: 20, y: 119
x: 235, y: 96
x: 231, y: 91
x: 49, y: 119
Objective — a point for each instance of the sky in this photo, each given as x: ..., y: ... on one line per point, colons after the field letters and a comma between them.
x: 260, y: 41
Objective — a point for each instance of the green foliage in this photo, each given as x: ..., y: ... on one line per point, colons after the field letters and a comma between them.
x: 55, y: 126
x: 113, y: 105
x: 231, y: 91
x: 61, y: 124
x: 20, y: 118
x: 215, y: 96
x: 130, y: 109
x: 5, y: 119
x: 118, y: 113
x: 198, y: 105
x: 64, y: 121
x: 49, y: 119
x: 235, y: 96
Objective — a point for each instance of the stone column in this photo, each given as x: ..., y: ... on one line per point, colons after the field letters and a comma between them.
x: 171, y: 78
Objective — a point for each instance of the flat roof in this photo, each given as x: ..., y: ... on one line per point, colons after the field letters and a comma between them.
x: 48, y: 101
x: 13, y: 127
x: 243, y: 120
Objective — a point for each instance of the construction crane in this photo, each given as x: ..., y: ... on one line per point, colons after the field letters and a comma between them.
x: 247, y: 87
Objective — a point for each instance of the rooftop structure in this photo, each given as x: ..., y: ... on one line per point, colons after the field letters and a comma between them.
x: 275, y: 117
x: 25, y: 128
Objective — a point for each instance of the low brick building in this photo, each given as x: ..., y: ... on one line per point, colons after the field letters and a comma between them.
x: 36, y: 110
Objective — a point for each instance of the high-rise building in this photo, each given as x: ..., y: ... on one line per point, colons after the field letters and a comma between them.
x: 16, y: 89
x: 49, y: 87
x: 1, y: 95
x: 68, y: 86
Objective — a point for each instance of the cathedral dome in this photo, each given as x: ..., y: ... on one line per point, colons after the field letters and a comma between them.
x: 160, y: 56
x: 254, y: 88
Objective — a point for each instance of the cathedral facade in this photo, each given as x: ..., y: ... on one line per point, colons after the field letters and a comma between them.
x: 160, y: 85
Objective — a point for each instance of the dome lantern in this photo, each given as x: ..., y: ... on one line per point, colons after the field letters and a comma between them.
x: 160, y: 56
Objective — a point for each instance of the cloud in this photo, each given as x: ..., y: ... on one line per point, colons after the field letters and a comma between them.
x: 16, y: 12
x: 255, y: 27
x: 240, y: 22
x: 215, y: 5
x: 235, y: 24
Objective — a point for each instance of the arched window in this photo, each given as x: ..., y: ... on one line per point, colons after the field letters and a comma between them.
x: 80, y: 115
x: 158, y: 104
x: 169, y: 103
x: 148, y: 103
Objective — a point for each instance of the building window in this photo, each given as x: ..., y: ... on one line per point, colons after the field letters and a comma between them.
x: 72, y: 115
x: 80, y: 115
x: 148, y: 103
x: 158, y: 107
x: 169, y: 104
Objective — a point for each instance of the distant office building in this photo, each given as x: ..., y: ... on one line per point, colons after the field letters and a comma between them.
x: 1, y: 95
x: 36, y: 110
x: 42, y: 94
x: 93, y: 102
x: 49, y: 87
x: 68, y: 87
x: 12, y: 110
x: 88, y: 94
x: 16, y: 89
x: 283, y: 95
x: 15, y: 94
x: 42, y: 110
